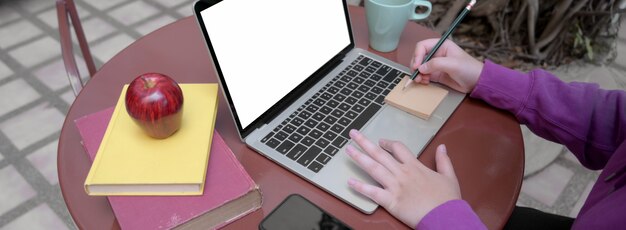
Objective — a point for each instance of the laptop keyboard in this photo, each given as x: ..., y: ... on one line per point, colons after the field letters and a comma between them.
x: 315, y: 132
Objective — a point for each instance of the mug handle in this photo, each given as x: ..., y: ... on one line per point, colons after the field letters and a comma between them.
x: 416, y: 3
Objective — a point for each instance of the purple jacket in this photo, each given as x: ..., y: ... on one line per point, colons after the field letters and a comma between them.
x: 589, y: 121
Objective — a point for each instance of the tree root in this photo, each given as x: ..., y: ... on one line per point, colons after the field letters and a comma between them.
x: 540, y: 32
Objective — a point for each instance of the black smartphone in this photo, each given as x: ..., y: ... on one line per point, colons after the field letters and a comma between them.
x: 296, y: 212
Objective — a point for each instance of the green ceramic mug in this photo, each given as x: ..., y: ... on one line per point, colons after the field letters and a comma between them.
x: 386, y: 20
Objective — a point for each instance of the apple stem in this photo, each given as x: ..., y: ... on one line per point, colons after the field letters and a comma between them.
x: 148, y: 84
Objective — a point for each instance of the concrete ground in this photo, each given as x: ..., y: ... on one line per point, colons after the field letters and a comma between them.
x: 31, y: 67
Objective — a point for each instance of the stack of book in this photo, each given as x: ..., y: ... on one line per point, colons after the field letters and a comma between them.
x: 189, y: 180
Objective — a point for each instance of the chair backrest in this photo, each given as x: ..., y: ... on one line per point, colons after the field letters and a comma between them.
x: 67, y: 15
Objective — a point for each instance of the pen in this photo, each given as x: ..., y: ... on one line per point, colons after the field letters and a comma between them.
x: 445, y: 36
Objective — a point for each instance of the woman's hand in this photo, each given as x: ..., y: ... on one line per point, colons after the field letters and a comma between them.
x: 409, y: 189
x: 450, y: 65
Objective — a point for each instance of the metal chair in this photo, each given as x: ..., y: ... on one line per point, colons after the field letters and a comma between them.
x: 68, y: 17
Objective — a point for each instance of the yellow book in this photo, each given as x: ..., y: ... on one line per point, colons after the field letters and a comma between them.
x: 129, y: 162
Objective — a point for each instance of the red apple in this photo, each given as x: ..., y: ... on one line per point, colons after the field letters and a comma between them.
x: 155, y: 102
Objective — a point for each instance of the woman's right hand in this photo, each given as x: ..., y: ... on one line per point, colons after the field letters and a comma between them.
x: 450, y: 65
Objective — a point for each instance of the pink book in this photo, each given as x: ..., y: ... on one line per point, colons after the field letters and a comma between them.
x: 229, y: 192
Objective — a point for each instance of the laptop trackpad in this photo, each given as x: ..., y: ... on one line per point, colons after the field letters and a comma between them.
x: 392, y: 124
x: 397, y: 125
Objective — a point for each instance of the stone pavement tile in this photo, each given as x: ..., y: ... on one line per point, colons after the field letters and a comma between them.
x: 570, y: 157
x: 9, y: 101
x: 5, y: 71
x: 173, y: 3
x: 54, y: 75
x: 50, y: 16
x: 68, y: 97
x: 185, y: 11
x: 133, y: 12
x: 619, y: 75
x: 547, y: 185
x: 581, y: 200
x: 32, y: 125
x: 7, y: 14
x: 45, y: 160
x: 15, y: 190
x: 96, y: 28
x: 103, y: 5
x: 154, y: 24
x: 45, y: 48
x: 82, y: 12
x: 17, y: 32
x: 603, y: 77
x: 539, y: 152
x: 34, y: 6
x: 110, y: 47
x: 39, y: 218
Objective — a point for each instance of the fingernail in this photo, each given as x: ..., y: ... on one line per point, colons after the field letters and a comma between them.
x: 442, y: 148
x: 353, y: 132
x: 350, y: 150
x: 351, y: 181
x: 382, y: 142
x: 418, y: 79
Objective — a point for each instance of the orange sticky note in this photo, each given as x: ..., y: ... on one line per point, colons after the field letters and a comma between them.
x: 417, y: 99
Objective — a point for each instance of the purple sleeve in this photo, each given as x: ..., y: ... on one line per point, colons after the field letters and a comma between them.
x: 454, y: 214
x: 589, y: 121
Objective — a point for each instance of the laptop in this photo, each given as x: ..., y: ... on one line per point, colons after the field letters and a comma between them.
x: 296, y: 85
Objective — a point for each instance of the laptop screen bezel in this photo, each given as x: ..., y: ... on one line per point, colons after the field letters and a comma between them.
x: 290, y: 97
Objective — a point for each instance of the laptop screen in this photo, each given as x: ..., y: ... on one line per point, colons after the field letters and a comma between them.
x: 264, y: 49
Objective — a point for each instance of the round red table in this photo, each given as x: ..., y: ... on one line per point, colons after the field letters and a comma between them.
x: 484, y: 143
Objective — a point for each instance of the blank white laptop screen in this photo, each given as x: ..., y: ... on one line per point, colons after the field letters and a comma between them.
x: 266, y: 48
